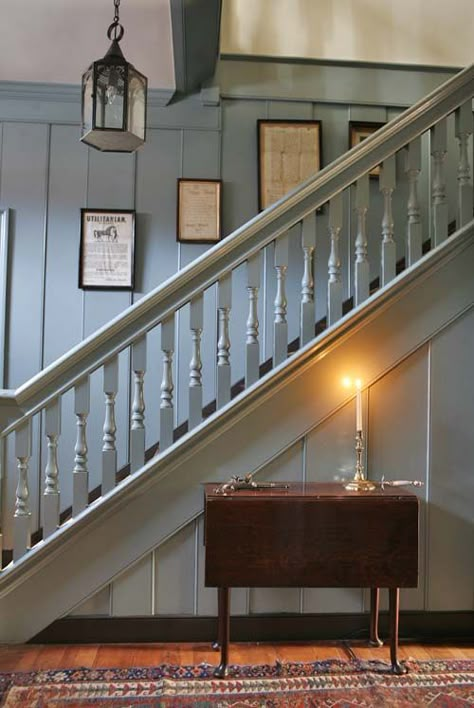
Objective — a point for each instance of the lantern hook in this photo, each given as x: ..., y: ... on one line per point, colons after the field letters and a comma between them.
x: 116, y: 30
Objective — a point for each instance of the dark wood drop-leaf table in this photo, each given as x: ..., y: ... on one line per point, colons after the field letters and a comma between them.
x: 311, y: 535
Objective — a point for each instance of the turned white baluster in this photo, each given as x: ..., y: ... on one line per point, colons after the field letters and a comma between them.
x: 224, y: 304
x: 252, y: 346
x: 137, y: 432
x: 280, y: 324
x: 387, y: 182
x: 361, y: 265
x: 307, y: 312
x: 334, y: 263
x: 80, y: 473
x: 109, y: 448
x: 22, y: 516
x: 196, y: 324
x: 463, y: 129
x: 167, y: 386
x: 438, y: 190
x: 51, y: 484
x: 413, y: 169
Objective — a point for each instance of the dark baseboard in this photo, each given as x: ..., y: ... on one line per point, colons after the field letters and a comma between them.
x: 415, y: 626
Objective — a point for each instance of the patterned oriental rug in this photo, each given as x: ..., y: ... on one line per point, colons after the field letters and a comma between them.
x: 333, y: 684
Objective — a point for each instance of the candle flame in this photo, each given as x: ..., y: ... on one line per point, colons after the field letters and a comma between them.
x: 347, y: 382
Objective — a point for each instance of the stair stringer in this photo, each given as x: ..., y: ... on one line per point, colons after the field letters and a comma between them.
x: 150, y: 506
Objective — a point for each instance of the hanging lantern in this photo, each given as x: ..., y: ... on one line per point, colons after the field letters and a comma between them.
x: 114, y: 99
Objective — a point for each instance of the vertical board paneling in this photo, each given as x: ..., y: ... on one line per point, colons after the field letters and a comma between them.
x: 23, y: 189
x: 330, y: 457
x: 131, y: 592
x: 400, y: 197
x: 239, y: 161
x: 334, y: 120
x: 451, y: 528
x: 98, y: 604
x: 286, y: 467
x: 174, y: 574
x: 157, y: 250
x: 111, y: 185
x: 201, y: 159
x: 67, y: 191
x: 111, y: 182
x: 287, y: 110
x: 369, y: 114
x: 397, y: 442
x: 63, y: 325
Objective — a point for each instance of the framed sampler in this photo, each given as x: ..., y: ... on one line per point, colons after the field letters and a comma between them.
x: 289, y: 152
x: 199, y: 210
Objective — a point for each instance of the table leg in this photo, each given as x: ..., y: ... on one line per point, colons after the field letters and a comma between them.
x: 223, y: 630
x: 374, y: 639
x: 394, y: 606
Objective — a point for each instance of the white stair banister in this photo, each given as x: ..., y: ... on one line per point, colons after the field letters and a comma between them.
x: 307, y: 311
x: 215, y: 268
x: 51, y: 494
x: 413, y: 169
x: 463, y: 129
x: 224, y: 304
x: 439, y: 149
x: 361, y: 265
x: 109, y: 448
x: 196, y: 324
x: 22, y: 518
x: 137, y: 432
x: 334, y: 263
x: 387, y: 181
x: 81, y: 473
x: 280, y: 324
x: 167, y: 385
x: 252, y: 345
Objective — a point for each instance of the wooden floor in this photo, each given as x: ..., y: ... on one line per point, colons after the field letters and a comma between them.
x: 34, y: 657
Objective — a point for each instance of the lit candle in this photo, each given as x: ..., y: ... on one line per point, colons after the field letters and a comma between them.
x: 358, y: 385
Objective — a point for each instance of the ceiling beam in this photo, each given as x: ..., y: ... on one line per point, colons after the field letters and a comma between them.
x: 195, y: 30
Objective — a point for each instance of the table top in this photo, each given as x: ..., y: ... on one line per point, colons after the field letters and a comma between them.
x: 308, y: 490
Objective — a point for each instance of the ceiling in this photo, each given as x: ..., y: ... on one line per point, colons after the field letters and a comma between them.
x: 56, y: 40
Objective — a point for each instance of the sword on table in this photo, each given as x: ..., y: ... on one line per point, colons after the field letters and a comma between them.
x: 399, y: 482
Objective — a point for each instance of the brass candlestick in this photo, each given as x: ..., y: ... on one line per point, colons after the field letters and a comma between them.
x: 359, y: 483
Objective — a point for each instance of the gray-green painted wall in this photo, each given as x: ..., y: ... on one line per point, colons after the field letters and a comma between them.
x: 418, y: 418
x: 46, y: 176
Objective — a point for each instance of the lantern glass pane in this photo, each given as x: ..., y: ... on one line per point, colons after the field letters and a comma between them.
x: 137, y: 85
x: 87, y: 91
x: 110, y: 96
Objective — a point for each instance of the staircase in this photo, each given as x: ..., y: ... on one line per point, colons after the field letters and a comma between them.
x: 51, y: 567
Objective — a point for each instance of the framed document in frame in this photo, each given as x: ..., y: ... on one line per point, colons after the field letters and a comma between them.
x: 359, y: 131
x: 199, y: 210
x: 107, y: 249
x: 289, y: 152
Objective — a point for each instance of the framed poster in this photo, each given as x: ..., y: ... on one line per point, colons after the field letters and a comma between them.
x: 358, y: 132
x: 199, y: 210
x: 289, y: 152
x: 107, y: 249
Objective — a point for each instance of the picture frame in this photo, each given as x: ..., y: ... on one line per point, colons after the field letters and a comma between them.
x: 289, y: 152
x: 359, y: 131
x: 199, y: 210
x: 107, y: 249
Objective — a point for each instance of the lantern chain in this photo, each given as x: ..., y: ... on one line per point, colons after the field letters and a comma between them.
x: 116, y: 30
